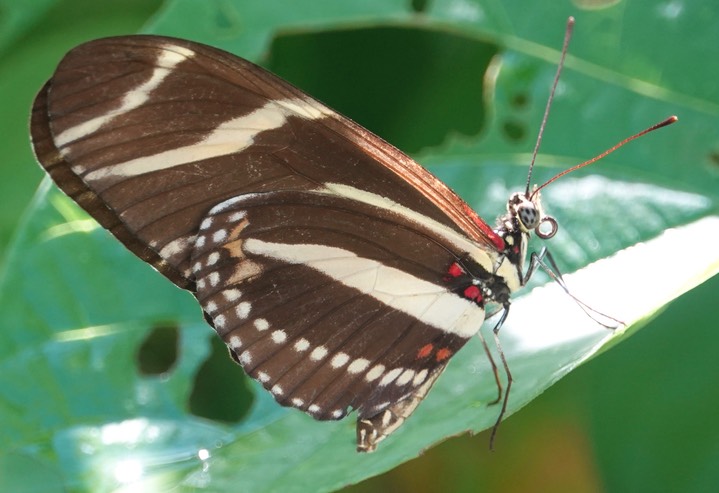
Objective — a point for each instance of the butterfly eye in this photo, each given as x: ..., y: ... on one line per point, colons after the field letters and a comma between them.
x: 528, y: 215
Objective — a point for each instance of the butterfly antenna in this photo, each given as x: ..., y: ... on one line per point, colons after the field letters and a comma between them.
x: 565, y: 46
x: 663, y: 123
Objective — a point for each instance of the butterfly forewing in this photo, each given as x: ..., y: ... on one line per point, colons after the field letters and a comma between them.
x: 160, y: 130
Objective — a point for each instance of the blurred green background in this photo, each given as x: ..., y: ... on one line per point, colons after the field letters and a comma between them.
x: 641, y: 417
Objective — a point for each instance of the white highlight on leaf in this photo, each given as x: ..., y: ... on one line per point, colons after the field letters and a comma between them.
x: 431, y: 303
x: 630, y: 285
x: 465, y: 11
x: 671, y: 9
x: 229, y: 137
x: 170, y: 56
x: 128, y: 471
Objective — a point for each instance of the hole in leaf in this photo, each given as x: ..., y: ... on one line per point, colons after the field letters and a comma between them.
x: 520, y: 100
x: 225, y: 21
x: 419, y: 6
x: 410, y: 86
x: 158, y: 352
x: 220, y: 389
x: 714, y: 158
x: 514, y: 130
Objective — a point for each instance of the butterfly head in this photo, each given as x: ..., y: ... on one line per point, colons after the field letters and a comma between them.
x: 525, y: 214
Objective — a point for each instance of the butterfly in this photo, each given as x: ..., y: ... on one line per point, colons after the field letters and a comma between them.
x: 340, y: 273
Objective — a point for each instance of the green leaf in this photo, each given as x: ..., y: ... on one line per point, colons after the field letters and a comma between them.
x: 78, y: 308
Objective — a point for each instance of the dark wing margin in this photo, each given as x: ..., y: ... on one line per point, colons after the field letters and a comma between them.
x: 75, y: 188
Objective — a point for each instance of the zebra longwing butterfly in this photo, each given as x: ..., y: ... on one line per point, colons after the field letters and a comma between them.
x: 341, y: 274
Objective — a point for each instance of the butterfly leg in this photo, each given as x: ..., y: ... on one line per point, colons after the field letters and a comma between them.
x: 550, y: 267
x: 507, y: 372
x: 495, y: 368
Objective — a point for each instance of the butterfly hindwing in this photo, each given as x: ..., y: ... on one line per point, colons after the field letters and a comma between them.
x: 318, y: 303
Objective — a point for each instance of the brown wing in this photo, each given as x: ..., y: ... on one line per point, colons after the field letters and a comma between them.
x: 148, y: 133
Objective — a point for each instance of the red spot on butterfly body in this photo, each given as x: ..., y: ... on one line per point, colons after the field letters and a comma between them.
x: 443, y: 354
x: 473, y: 293
x: 425, y: 351
x: 455, y: 270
